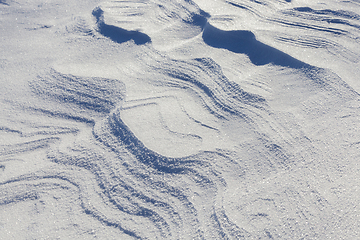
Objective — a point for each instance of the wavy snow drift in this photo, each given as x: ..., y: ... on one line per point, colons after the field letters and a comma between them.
x: 179, y: 119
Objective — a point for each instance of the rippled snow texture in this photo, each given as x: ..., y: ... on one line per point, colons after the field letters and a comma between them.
x: 179, y: 119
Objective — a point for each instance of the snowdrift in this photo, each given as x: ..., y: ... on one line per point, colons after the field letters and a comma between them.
x: 179, y: 119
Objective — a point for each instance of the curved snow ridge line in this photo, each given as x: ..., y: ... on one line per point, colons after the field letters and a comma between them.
x: 259, y: 2
x: 31, y: 187
x: 117, y: 34
x: 145, y: 155
x: 64, y: 115
x: 98, y: 215
x: 154, y: 101
x: 151, y: 16
x: 205, y: 77
x: 144, y: 22
x: 262, y: 14
x: 179, y: 221
x: 132, y: 201
x: 41, y: 130
x: 148, y: 102
x: 97, y: 94
x: 227, y: 229
x: 4, y: 2
x: 23, y: 189
x: 198, y: 174
x: 173, y: 222
x: 10, y: 196
x: 301, y: 25
x: 308, y: 42
x: 319, y: 42
x: 125, y: 198
x: 107, y: 209
x: 222, y: 98
x: 27, y: 146
x: 260, y: 54
x: 325, y: 15
x: 244, y: 42
x: 311, y: 27
x: 338, y: 13
x: 246, y: 7
x: 331, y: 82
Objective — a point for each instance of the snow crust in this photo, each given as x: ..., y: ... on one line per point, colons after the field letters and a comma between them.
x: 179, y: 119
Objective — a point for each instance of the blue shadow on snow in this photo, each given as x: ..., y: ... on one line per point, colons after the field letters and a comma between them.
x: 116, y: 34
x: 241, y: 41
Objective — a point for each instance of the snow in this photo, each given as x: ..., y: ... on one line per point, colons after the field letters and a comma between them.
x: 179, y: 119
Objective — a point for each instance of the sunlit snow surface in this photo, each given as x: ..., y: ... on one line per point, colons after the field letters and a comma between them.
x: 179, y: 119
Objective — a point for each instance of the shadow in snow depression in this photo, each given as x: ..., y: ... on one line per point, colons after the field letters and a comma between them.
x: 245, y: 42
x: 117, y: 34
x: 4, y: 2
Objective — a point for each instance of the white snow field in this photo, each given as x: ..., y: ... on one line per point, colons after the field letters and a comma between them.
x: 179, y: 119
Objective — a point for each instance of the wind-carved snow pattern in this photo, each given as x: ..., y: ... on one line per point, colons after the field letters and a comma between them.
x: 177, y: 120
